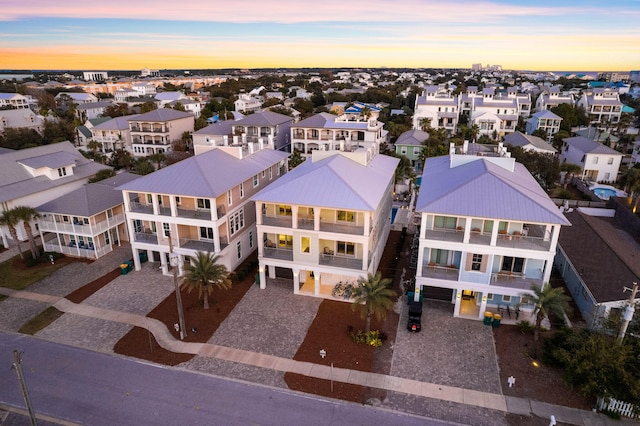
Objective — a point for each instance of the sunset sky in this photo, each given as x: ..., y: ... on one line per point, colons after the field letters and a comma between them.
x: 556, y: 35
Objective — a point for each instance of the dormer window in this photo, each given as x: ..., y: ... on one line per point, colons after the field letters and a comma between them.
x: 62, y: 171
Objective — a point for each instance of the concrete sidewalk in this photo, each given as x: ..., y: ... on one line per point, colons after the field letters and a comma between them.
x: 164, y: 338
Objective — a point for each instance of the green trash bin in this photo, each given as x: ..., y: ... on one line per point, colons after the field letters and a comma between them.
x: 124, y: 269
x: 488, y: 317
x: 143, y: 257
x: 496, y: 320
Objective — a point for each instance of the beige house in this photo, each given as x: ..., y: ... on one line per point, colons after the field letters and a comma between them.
x: 154, y: 131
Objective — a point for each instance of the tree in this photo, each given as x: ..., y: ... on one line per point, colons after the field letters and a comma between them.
x: 545, y: 168
x: 19, y: 138
x: 148, y: 107
x: 158, y: 158
x: 541, y: 133
x: 102, y: 175
x: 295, y: 159
x: 203, y: 273
x: 546, y: 301
x: 93, y: 146
x: 373, y: 295
x: 475, y: 131
x: 631, y: 182
x: 121, y: 159
x: 143, y: 167
x: 26, y: 214
x: 425, y: 124
x: 572, y: 170
x: 9, y: 219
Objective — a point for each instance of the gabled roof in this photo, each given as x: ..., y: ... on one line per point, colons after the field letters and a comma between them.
x: 412, y: 137
x: 169, y: 96
x: 94, y: 105
x: 220, y: 128
x: 546, y: 114
x: 482, y: 188
x: 51, y: 160
x: 334, y: 182
x: 590, y: 147
x: 263, y: 118
x: 118, y: 123
x: 522, y: 140
x: 16, y: 181
x: 208, y: 175
x: 604, y: 254
x: 90, y: 199
x: 161, y: 114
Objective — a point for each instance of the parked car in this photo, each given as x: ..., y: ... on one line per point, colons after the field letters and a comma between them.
x: 415, y: 316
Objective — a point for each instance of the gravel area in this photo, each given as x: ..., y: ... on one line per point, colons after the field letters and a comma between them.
x: 273, y: 321
x: 137, y: 292
x: 449, y: 351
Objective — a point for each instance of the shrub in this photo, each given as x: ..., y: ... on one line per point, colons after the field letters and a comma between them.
x: 525, y: 327
x: 372, y: 338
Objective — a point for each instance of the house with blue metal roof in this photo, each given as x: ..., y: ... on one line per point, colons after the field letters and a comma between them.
x: 326, y: 221
x: 488, y: 231
x: 202, y: 203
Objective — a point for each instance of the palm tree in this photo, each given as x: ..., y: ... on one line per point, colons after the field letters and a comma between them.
x: 546, y: 300
x: 157, y: 158
x: 9, y: 219
x: 203, y: 273
x: 572, y: 170
x: 26, y: 214
x: 475, y: 130
x: 631, y: 182
x: 373, y: 295
x: 425, y: 123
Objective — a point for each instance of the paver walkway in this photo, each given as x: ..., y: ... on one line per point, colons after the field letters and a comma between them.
x: 391, y: 383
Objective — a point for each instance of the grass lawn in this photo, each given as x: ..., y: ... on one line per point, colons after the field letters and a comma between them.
x: 40, y: 321
x: 16, y: 276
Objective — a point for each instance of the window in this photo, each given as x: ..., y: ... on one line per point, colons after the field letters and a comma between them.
x: 595, y: 160
x: 346, y: 248
x: 206, y: 233
x: 476, y: 262
x: 506, y: 298
x: 239, y: 249
x: 166, y: 229
x: 65, y: 218
x: 439, y: 256
x: 62, y: 171
x: 512, y: 264
x: 178, y: 201
x: 85, y: 220
x: 284, y: 210
x: 250, y: 239
x: 270, y: 173
x: 236, y: 221
x: 489, y: 296
x: 149, y: 199
x: 416, y: 150
x: 106, y: 237
x: 610, y: 160
x: 160, y: 200
x: 445, y: 222
x: 204, y: 203
x: 607, y: 176
x: 346, y: 216
x: 285, y: 241
x: 263, y: 173
x: 525, y: 300
x: 229, y: 197
x: 255, y: 180
x: 242, y: 190
x: 305, y: 244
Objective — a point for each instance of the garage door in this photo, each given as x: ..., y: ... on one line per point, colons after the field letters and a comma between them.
x: 437, y: 293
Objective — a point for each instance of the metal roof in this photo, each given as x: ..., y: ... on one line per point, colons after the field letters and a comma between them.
x: 412, y: 137
x: 334, y: 182
x: 590, y: 147
x: 208, y: 175
x: 51, y: 160
x: 161, y: 114
x: 482, y: 188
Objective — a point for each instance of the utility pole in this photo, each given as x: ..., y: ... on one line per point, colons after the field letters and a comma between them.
x: 174, y: 261
x: 628, y: 311
x: 23, y: 386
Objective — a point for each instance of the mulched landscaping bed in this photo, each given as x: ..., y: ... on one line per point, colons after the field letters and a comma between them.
x: 137, y: 344
x: 87, y: 290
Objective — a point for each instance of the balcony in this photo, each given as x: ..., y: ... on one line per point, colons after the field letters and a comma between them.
x: 305, y: 223
x: 198, y: 245
x: 49, y: 225
x: 440, y: 272
x: 521, y: 242
x: 513, y: 280
x: 340, y: 261
x: 74, y: 251
x: 277, y: 253
x: 341, y: 228
x: 147, y: 238
x: 280, y: 221
x: 444, y: 234
x: 138, y: 207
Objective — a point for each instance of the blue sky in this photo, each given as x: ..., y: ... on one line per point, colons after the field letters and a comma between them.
x: 118, y: 34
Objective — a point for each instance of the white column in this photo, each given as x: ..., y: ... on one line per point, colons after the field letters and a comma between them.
x: 163, y: 262
x: 272, y: 271
x: 294, y: 217
x: 136, y: 259
x: 316, y: 287
x: 367, y: 223
x: 154, y: 201
x: 483, y: 304
x: 457, y: 294
x: 263, y: 277
x: 316, y: 218
x: 296, y: 281
x: 494, y: 232
x: 420, y: 260
x: 172, y: 204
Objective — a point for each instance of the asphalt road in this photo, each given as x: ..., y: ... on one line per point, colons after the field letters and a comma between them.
x: 92, y: 388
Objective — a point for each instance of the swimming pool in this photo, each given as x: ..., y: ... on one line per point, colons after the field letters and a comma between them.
x: 394, y: 212
x: 604, y: 192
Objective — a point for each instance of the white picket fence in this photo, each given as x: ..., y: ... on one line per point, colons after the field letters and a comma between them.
x: 625, y: 409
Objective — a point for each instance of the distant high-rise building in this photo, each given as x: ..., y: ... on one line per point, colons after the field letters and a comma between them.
x: 95, y: 75
x: 476, y: 67
x: 634, y: 76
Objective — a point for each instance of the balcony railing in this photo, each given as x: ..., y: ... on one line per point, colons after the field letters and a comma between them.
x: 277, y: 253
x: 141, y: 208
x: 340, y: 261
x: 143, y: 237
x: 513, y: 280
x: 305, y: 223
x: 49, y: 225
x: 94, y: 253
x: 198, y: 245
x: 444, y: 234
x: 279, y: 220
x: 522, y: 242
x: 442, y: 272
x: 341, y: 228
